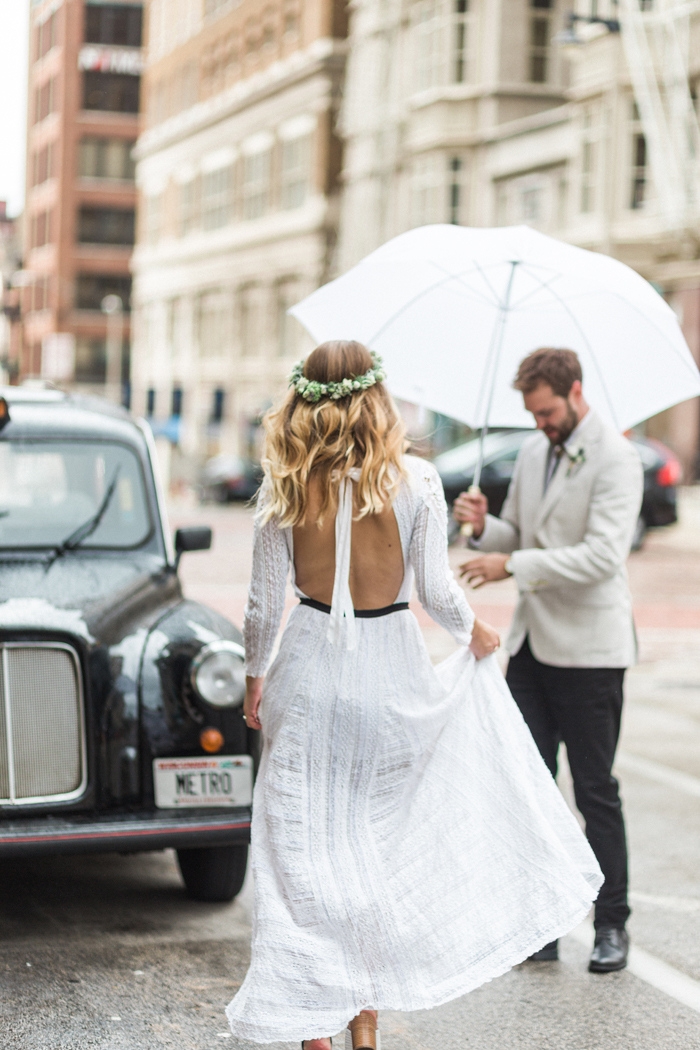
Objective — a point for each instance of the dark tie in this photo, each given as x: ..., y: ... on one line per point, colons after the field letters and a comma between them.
x: 553, y: 458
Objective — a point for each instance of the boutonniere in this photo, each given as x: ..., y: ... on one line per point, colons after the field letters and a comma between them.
x: 576, y: 457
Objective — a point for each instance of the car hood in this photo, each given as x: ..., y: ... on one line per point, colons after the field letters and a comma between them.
x: 77, y: 594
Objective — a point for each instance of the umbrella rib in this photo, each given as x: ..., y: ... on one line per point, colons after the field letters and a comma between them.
x: 691, y: 367
x: 573, y: 317
x: 534, y: 291
x: 411, y: 302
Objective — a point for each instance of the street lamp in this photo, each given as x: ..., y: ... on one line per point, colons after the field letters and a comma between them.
x: 113, y: 307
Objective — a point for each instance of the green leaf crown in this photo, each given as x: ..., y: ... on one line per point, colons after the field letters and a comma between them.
x: 312, y: 390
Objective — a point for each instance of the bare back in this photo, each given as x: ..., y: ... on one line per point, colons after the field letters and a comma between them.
x: 376, y: 559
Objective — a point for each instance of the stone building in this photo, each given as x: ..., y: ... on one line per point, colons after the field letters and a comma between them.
x: 473, y: 112
x: 429, y: 85
x: 83, y: 122
x: 238, y: 175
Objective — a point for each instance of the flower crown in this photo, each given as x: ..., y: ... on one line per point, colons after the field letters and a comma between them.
x: 312, y: 390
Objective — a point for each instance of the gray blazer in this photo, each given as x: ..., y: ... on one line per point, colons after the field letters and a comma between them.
x: 569, y: 546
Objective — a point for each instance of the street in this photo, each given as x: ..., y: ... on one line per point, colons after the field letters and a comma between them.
x: 106, y: 951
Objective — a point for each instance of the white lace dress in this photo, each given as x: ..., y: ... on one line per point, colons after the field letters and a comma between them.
x: 408, y: 842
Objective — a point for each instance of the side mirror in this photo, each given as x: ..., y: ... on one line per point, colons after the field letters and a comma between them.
x: 192, y: 538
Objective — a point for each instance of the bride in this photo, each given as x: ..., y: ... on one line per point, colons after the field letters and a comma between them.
x: 408, y: 842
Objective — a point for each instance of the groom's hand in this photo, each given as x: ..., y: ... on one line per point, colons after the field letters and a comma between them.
x: 485, y: 568
x: 471, y: 508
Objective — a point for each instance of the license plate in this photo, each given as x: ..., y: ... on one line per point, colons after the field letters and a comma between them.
x: 182, y: 783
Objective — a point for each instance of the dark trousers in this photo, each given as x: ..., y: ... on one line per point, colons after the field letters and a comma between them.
x: 581, y: 706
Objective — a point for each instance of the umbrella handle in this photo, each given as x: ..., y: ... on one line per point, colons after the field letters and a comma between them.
x: 467, y: 529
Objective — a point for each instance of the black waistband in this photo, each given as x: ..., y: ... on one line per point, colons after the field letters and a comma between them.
x: 362, y: 614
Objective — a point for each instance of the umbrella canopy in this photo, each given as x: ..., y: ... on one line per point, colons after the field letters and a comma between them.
x: 453, y: 311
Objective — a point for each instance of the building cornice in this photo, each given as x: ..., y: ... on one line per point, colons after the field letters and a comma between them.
x: 511, y: 129
x: 277, y: 227
x: 321, y: 55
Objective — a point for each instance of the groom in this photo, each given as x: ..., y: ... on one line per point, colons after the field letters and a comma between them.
x: 564, y: 535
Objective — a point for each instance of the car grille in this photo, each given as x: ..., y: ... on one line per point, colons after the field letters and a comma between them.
x: 42, y: 736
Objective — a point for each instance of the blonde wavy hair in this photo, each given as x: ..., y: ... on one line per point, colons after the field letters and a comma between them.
x: 324, y: 440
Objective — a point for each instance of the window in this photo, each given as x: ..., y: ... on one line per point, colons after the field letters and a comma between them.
x: 217, y: 197
x: 91, y: 288
x: 107, y: 158
x: 502, y: 203
x: 49, y: 488
x: 113, y: 24
x: 455, y: 189
x: 256, y: 184
x: 176, y: 401
x: 43, y: 164
x: 41, y: 229
x: 295, y: 174
x: 106, y: 226
x: 441, y: 42
x: 215, y: 323
x: 459, y: 56
x: 188, y: 207
x: 217, y: 407
x: 639, y: 162
x: 90, y: 359
x: 45, y: 100
x: 428, y: 189
x: 47, y: 35
x: 589, y: 160
x: 150, y: 402
x: 113, y: 92
x: 540, y: 33
x: 37, y: 297
x: 531, y: 204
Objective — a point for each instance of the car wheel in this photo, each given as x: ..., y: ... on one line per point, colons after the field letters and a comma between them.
x: 639, y: 533
x: 214, y: 873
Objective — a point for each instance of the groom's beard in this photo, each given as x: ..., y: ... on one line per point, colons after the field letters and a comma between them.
x: 558, y: 435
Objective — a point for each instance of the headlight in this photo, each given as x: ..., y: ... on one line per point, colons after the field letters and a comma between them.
x: 218, y: 674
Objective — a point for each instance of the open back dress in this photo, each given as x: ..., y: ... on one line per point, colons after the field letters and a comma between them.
x: 408, y: 842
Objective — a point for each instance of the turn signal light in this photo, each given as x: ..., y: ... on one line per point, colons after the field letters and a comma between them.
x: 669, y: 474
x: 211, y: 740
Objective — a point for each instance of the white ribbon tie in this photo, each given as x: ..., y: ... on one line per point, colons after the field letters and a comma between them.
x: 342, y: 610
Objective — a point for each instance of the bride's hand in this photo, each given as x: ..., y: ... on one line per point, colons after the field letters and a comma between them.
x: 485, y: 639
x: 251, y: 704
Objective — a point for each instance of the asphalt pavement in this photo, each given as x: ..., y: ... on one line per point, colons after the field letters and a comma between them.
x: 107, y: 952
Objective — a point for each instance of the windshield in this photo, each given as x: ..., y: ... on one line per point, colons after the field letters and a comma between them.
x: 48, y: 489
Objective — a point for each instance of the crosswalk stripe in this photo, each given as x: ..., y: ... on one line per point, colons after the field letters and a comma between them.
x: 652, y: 971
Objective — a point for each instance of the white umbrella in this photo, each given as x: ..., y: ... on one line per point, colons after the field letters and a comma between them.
x: 453, y: 310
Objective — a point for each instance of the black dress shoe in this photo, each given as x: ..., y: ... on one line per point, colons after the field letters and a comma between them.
x: 610, y: 950
x: 550, y: 953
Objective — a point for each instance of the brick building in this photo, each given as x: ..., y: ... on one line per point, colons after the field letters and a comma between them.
x: 83, y: 122
x: 238, y: 174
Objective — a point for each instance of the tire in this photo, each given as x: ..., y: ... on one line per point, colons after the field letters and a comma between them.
x: 639, y: 533
x: 214, y: 873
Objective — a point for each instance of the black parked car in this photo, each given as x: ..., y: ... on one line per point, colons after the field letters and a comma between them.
x: 120, y: 702
x: 226, y: 478
x: 662, y: 472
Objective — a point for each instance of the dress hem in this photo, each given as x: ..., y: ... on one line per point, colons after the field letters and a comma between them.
x: 243, y: 1031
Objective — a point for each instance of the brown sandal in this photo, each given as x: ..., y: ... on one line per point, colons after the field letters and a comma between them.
x: 364, y: 1032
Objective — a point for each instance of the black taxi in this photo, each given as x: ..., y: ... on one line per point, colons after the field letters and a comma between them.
x: 121, y: 722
